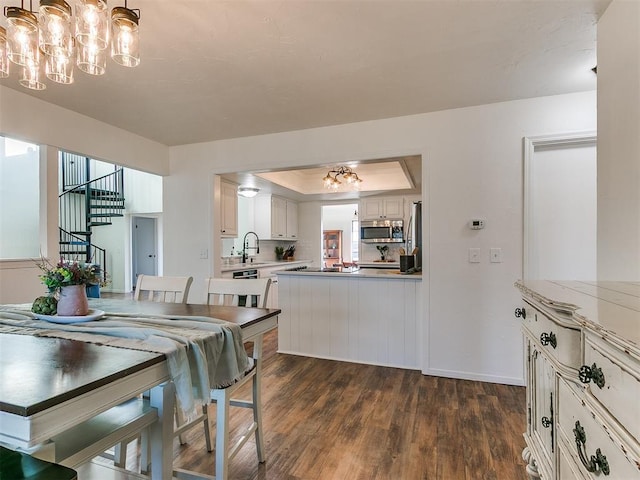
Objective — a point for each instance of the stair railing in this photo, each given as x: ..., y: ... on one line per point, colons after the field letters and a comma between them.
x: 96, y: 255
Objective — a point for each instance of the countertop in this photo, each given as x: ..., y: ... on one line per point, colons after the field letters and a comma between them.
x: 606, y: 307
x: 266, y: 264
x: 358, y: 273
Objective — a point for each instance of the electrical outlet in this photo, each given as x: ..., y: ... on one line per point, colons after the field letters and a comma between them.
x: 495, y: 255
x: 204, y: 254
x: 474, y: 255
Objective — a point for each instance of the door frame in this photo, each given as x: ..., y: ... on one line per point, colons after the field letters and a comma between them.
x: 562, y: 140
x: 129, y: 254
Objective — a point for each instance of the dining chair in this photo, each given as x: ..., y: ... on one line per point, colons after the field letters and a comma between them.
x: 163, y: 289
x: 222, y: 291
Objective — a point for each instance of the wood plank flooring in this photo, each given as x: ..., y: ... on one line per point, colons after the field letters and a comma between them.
x: 343, y: 421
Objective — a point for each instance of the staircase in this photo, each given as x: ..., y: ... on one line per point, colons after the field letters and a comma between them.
x: 86, y: 203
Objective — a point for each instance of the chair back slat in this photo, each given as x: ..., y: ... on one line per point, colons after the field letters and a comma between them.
x: 163, y: 289
x: 226, y: 291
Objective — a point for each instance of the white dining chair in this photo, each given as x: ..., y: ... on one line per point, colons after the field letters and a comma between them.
x: 163, y: 289
x: 222, y: 291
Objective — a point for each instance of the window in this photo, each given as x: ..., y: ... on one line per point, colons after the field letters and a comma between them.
x: 19, y: 199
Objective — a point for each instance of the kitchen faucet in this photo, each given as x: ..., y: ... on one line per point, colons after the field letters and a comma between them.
x: 245, y: 246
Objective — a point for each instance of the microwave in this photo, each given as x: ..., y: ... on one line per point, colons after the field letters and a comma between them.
x: 382, y: 231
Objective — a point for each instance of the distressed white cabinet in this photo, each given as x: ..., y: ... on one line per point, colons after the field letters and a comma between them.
x: 583, y: 379
x: 275, y: 218
x: 228, y: 209
x: 382, y: 207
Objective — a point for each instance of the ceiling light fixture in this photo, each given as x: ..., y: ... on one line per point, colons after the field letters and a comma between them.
x: 53, y: 37
x: 348, y: 175
x: 248, y: 192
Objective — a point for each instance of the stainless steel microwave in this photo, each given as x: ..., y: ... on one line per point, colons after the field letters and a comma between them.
x: 382, y: 231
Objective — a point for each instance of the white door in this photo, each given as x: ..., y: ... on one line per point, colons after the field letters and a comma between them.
x: 145, y: 247
x: 560, y: 208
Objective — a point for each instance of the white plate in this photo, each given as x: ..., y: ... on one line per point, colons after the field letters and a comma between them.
x: 93, y: 315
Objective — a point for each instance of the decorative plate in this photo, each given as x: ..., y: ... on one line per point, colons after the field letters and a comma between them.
x: 93, y: 315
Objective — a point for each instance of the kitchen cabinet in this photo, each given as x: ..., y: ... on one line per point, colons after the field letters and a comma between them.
x: 382, y: 207
x: 331, y: 247
x: 228, y: 209
x: 583, y: 379
x: 275, y: 218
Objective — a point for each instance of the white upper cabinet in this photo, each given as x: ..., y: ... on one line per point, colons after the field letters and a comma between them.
x: 228, y: 209
x: 375, y: 208
x: 275, y: 218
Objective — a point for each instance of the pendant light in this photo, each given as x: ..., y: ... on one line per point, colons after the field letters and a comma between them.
x: 22, y: 35
x: 55, y: 32
x: 59, y: 68
x: 125, y: 43
x: 31, y: 74
x: 92, y: 23
x: 4, y: 60
x: 91, y: 59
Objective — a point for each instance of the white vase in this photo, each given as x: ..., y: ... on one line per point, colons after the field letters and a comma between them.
x: 73, y: 301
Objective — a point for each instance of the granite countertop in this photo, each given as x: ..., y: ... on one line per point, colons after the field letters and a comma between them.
x: 262, y: 264
x: 355, y: 272
x: 606, y: 307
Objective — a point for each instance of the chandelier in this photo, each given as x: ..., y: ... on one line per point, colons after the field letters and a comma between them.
x: 54, y: 41
x: 332, y: 182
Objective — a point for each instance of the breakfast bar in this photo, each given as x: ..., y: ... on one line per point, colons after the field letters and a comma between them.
x: 366, y: 316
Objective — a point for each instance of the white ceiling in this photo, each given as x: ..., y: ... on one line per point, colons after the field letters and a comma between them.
x: 222, y: 69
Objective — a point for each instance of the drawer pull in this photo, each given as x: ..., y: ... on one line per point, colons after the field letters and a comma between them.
x: 549, y: 339
x: 593, y: 372
x: 521, y: 312
x: 598, y: 462
x: 546, y: 422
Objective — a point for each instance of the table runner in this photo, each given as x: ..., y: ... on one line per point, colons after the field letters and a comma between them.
x: 201, y: 352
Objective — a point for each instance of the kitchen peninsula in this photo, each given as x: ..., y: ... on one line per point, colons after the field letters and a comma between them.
x: 366, y: 316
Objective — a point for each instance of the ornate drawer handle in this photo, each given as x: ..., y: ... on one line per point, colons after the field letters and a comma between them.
x: 593, y: 372
x: 521, y: 312
x: 598, y: 462
x: 546, y: 422
x: 549, y: 339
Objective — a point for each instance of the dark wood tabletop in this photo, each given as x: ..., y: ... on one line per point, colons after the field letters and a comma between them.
x: 37, y: 372
x: 244, y: 317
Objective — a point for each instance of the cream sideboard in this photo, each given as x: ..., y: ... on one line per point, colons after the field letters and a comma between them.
x: 582, y: 355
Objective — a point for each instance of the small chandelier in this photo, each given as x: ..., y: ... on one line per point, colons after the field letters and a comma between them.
x: 332, y: 182
x: 53, y: 41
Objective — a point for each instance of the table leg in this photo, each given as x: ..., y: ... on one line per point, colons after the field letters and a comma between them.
x: 161, y: 435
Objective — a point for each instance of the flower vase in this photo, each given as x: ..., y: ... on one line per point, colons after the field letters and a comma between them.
x: 73, y: 301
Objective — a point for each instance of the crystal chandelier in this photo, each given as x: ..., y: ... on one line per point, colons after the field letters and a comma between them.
x: 53, y: 41
x: 332, y: 182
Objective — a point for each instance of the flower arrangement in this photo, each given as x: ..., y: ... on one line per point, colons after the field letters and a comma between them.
x: 66, y: 273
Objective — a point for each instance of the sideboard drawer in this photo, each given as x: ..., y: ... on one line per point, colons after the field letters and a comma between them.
x: 574, y: 415
x: 620, y: 390
x: 558, y: 341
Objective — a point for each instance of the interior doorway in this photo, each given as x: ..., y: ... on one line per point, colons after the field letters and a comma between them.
x: 144, y: 242
x: 340, y: 234
x: 560, y: 218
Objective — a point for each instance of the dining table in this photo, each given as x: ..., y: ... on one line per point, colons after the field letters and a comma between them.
x: 49, y: 385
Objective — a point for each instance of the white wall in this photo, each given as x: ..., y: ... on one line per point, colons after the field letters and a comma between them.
x: 619, y: 142
x: 472, y: 167
x: 26, y: 118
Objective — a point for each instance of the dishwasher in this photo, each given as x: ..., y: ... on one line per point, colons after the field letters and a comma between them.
x: 244, y: 275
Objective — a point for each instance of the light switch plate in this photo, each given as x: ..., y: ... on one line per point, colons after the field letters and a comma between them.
x: 474, y: 255
x: 495, y: 255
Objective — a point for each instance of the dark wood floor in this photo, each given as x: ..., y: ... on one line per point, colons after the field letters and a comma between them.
x: 343, y: 421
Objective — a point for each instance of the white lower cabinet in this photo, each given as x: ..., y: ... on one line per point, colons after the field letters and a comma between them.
x: 583, y: 381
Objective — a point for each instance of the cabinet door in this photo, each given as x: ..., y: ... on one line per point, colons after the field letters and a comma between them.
x: 542, y: 393
x: 278, y: 217
x: 371, y: 209
x: 393, y: 207
x: 228, y: 210
x: 292, y: 220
